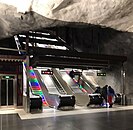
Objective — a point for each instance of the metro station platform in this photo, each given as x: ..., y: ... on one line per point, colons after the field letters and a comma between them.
x: 81, y: 118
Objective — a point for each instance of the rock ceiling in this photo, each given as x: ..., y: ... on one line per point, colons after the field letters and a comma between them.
x: 23, y: 15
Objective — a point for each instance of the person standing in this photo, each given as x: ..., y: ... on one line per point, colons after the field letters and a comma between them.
x: 71, y: 74
x: 110, y: 95
x: 104, y: 93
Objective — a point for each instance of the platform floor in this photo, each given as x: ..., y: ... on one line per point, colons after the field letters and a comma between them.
x: 81, y: 118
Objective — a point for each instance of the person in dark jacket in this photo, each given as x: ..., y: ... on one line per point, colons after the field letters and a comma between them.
x: 98, y: 90
x: 111, y: 94
x: 104, y: 93
x: 71, y: 74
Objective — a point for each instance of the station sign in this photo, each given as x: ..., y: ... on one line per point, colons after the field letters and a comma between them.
x: 101, y: 74
x: 48, y: 72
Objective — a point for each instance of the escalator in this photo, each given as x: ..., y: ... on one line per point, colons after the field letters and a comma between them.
x: 58, y: 85
x: 90, y: 81
x: 95, y: 98
x: 35, y: 87
x: 83, y: 85
x: 82, y: 99
x: 90, y: 85
x: 56, y: 98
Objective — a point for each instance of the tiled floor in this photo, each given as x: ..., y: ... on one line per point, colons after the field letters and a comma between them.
x: 116, y: 118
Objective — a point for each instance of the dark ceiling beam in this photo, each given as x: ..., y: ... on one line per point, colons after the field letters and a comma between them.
x: 66, y: 65
x: 12, y: 58
x: 70, y: 62
x: 62, y: 66
x: 66, y: 58
x: 77, y: 55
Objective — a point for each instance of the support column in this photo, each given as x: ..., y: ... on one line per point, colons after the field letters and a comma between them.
x: 123, y: 74
x: 27, y: 69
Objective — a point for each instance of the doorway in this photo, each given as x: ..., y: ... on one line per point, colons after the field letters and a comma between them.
x: 7, y: 91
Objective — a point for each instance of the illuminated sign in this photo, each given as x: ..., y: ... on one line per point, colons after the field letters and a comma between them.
x: 8, y: 77
x: 48, y: 72
x: 101, y: 74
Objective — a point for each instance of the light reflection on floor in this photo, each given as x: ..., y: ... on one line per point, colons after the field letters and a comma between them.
x: 50, y: 112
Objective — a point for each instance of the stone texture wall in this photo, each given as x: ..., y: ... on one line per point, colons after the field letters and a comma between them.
x: 16, y: 17
x: 121, y: 44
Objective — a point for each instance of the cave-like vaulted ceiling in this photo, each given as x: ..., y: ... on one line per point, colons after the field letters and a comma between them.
x: 17, y: 16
